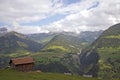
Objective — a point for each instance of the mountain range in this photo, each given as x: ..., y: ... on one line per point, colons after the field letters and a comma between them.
x: 88, y: 53
x: 48, y: 49
x: 61, y: 49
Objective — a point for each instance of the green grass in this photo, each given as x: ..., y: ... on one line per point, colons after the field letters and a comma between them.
x: 58, y: 47
x: 43, y: 57
x: 110, y: 52
x: 14, y: 75
x: 22, y: 44
x: 109, y: 60
x: 113, y: 36
x: 51, y: 60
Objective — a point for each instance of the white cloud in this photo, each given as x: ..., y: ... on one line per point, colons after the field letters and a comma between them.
x: 79, y: 16
x: 24, y: 10
x: 99, y: 18
x: 25, y: 29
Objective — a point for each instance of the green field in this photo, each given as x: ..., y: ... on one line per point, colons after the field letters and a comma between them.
x: 10, y: 74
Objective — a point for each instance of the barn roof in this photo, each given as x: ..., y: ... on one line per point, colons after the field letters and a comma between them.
x: 24, y: 60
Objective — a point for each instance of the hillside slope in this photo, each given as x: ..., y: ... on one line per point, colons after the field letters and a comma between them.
x: 14, y: 75
x: 102, y: 58
x: 14, y: 42
x: 66, y: 43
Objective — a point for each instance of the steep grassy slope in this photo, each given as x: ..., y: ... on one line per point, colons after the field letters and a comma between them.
x: 102, y: 58
x: 13, y: 42
x: 65, y: 43
x: 57, y: 62
x: 13, y: 75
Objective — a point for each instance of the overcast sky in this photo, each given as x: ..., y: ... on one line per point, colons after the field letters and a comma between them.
x: 37, y: 16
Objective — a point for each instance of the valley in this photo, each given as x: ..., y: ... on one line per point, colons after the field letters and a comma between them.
x: 60, y: 50
x: 88, y: 53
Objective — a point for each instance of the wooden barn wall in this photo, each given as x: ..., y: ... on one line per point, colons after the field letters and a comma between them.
x: 24, y: 67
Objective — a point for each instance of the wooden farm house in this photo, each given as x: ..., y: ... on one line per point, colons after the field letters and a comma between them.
x: 22, y: 64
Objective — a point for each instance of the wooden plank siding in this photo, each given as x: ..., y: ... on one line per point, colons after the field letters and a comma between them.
x: 24, y: 67
x: 22, y: 64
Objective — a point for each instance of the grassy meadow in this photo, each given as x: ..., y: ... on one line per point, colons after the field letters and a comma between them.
x: 9, y: 74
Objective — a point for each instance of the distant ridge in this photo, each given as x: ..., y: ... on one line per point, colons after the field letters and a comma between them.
x: 13, y: 42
